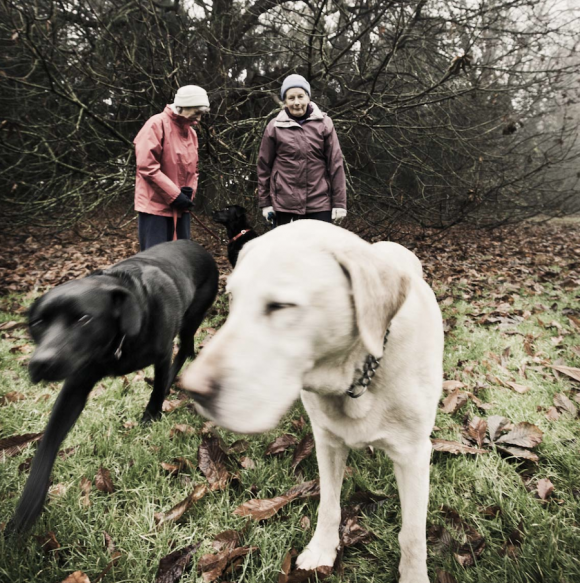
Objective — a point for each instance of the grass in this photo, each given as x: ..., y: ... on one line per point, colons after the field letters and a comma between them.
x: 105, y: 436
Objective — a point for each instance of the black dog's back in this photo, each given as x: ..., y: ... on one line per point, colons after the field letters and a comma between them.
x: 239, y: 232
x: 113, y: 322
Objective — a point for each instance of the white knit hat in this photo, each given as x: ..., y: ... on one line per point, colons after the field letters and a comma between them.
x: 191, y: 96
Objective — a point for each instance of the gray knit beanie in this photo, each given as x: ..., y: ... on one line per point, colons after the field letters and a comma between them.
x: 294, y: 81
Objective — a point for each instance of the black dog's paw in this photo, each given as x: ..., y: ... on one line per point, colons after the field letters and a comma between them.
x: 149, y: 417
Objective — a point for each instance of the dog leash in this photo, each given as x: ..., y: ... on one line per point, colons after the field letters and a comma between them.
x: 200, y: 223
x: 369, y: 369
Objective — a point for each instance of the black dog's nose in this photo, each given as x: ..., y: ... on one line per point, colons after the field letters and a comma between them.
x: 43, y: 368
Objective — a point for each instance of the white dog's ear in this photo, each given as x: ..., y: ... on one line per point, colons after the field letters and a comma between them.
x: 378, y: 289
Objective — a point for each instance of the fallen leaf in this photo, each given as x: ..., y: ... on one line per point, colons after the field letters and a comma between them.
x: 303, y: 450
x: 48, y: 543
x: 496, y: 424
x: 86, y: 486
x: 227, y: 540
x: 261, y: 509
x: 454, y: 447
x: 564, y: 404
x: 180, y: 508
x: 523, y: 434
x: 350, y: 531
x: 103, y: 481
x: 518, y: 453
x: 450, y: 386
x: 211, y: 460
x: 454, y: 401
x: 552, y: 414
x: 517, y: 388
x: 77, y: 577
x: 239, y: 446
x: 247, y: 463
x: 172, y: 566
x: 212, y: 566
x: 13, y: 445
x: 6, y: 326
x: 169, y: 406
x: 281, y: 444
x: 545, y: 488
x: 11, y: 397
x: 305, y: 523
x: 181, y: 429
x: 477, y: 429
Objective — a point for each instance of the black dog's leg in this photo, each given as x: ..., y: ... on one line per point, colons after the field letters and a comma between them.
x: 69, y: 405
x: 160, y: 385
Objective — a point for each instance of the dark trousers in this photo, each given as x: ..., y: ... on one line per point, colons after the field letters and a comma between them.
x: 154, y: 229
x: 285, y: 218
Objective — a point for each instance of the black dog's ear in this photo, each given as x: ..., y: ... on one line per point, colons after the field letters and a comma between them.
x: 240, y: 211
x: 127, y: 310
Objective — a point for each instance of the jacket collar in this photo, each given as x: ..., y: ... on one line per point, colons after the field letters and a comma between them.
x: 283, y: 120
x: 177, y: 119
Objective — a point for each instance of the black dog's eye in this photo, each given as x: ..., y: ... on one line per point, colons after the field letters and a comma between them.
x: 275, y: 306
x: 84, y: 319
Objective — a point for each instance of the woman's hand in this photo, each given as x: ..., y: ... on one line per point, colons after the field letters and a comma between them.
x: 268, y: 213
x: 338, y: 214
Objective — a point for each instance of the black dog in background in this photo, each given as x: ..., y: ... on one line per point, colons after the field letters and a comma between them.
x: 239, y: 232
x: 111, y: 323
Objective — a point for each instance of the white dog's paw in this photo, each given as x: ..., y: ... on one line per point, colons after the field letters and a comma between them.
x: 313, y: 557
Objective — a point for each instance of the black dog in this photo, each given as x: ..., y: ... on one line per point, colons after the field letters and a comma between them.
x: 111, y: 323
x: 239, y: 232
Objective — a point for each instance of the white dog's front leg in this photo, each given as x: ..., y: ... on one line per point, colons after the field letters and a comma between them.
x: 321, y: 550
x: 412, y: 473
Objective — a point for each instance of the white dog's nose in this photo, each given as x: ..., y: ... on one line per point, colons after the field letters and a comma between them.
x: 201, y: 385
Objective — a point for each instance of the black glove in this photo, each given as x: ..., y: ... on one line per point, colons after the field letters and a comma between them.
x: 183, y: 200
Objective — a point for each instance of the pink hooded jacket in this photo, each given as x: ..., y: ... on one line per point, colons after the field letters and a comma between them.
x: 300, y: 167
x: 166, y: 152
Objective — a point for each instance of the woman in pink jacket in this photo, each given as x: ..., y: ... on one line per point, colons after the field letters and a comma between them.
x: 166, y: 183
x: 300, y: 165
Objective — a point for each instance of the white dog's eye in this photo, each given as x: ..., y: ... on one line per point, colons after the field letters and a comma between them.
x: 276, y: 306
x: 84, y: 319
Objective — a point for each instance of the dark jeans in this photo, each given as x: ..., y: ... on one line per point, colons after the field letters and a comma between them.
x: 154, y: 229
x: 285, y: 218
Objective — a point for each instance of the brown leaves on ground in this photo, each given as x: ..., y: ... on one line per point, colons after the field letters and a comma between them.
x: 13, y: 445
x: 172, y: 566
x: 86, y: 486
x: 211, y: 460
x: 573, y: 373
x: 517, y: 442
x: 545, y: 488
x: 300, y: 575
x: 303, y: 450
x: 77, y: 577
x: 281, y: 444
x: 182, y: 507
x: 212, y: 566
x: 262, y: 509
x: 103, y: 481
x: 454, y: 447
x: 11, y: 397
x: 467, y: 545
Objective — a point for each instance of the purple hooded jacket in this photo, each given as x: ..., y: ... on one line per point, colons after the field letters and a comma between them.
x: 300, y: 167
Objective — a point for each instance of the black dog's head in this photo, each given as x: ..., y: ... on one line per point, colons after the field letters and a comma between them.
x: 79, y: 323
x: 230, y: 216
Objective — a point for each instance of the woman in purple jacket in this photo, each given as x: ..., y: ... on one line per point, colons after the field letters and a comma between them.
x: 300, y: 166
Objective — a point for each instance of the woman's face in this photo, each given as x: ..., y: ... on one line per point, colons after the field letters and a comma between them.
x: 297, y: 101
x: 192, y: 113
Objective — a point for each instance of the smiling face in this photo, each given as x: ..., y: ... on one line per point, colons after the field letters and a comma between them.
x: 296, y: 100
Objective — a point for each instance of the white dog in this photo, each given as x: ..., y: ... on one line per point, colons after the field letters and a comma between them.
x: 310, y: 303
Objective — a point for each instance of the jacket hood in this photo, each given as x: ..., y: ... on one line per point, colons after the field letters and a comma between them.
x: 179, y: 120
